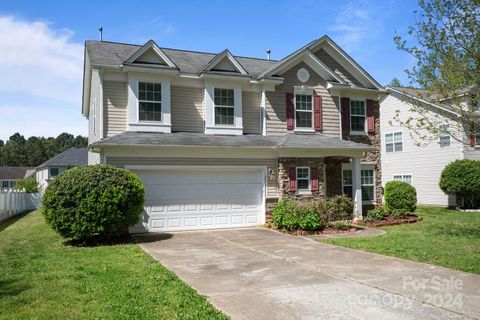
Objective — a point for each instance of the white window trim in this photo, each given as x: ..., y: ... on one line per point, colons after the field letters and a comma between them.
x: 348, y: 166
x: 364, y: 132
x: 306, y: 92
x: 223, y: 106
x: 134, y: 124
x: 150, y: 101
x: 393, y: 142
x: 210, y: 127
x: 403, y: 175
x: 304, y: 191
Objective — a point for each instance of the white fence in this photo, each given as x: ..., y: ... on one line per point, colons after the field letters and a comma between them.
x: 13, y: 202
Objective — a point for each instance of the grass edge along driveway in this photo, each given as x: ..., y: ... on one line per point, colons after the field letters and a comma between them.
x: 445, y: 238
x: 43, y: 279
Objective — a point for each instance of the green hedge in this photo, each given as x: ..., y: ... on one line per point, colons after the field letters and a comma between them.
x: 88, y: 201
x: 400, y: 195
x: 311, y: 215
x: 462, y: 179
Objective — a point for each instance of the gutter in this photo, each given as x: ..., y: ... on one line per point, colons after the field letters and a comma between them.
x: 331, y: 85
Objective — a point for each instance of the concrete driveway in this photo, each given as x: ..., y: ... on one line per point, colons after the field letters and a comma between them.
x: 262, y: 274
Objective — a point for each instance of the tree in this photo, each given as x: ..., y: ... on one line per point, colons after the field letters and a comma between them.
x: 395, y: 83
x: 445, y: 41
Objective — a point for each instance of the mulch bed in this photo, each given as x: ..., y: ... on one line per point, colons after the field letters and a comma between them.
x: 389, y: 221
x: 326, y: 231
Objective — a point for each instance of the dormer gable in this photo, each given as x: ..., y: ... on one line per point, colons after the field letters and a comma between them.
x: 151, y: 54
x: 224, y: 62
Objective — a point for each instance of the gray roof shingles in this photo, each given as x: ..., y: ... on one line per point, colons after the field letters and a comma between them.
x: 70, y: 157
x: 290, y: 140
x: 13, y: 173
x: 111, y: 53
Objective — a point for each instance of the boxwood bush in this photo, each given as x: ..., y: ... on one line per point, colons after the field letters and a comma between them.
x: 400, y: 195
x: 93, y: 201
x: 339, y: 207
x: 462, y: 179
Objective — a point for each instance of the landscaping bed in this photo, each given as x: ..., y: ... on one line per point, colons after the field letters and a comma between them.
x: 326, y: 231
x: 390, y: 221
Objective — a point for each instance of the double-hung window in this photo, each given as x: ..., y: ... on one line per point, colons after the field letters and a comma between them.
x: 224, y: 106
x: 5, y: 184
x: 303, y: 179
x: 393, y: 142
x: 357, y: 115
x: 367, y: 179
x: 149, y: 101
x: 303, y: 111
x: 444, y: 135
x: 403, y: 177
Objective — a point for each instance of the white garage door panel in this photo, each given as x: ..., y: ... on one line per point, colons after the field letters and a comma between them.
x: 202, y: 199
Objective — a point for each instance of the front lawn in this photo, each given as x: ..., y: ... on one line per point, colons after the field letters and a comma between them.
x: 445, y: 237
x: 40, y: 278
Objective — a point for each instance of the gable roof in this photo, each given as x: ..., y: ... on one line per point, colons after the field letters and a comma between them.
x: 225, y: 54
x: 70, y: 157
x: 115, y: 54
x: 422, y: 96
x: 13, y: 173
x: 150, y: 45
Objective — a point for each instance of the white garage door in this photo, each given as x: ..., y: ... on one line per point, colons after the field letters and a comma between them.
x: 189, y: 199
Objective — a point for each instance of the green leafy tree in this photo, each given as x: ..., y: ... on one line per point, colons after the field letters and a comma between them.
x: 445, y: 42
x: 29, y: 184
x: 395, y: 83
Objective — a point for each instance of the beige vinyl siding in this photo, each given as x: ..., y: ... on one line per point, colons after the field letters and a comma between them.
x: 337, y: 68
x: 251, y: 112
x: 187, y: 109
x: 95, y: 130
x: 472, y: 154
x: 115, y: 107
x: 270, y: 163
x: 275, y: 103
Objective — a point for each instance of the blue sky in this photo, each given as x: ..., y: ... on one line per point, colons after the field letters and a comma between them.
x: 41, y: 43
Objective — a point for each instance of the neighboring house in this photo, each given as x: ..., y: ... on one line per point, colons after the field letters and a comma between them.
x: 10, y: 175
x: 59, y: 163
x: 217, y: 139
x: 419, y: 159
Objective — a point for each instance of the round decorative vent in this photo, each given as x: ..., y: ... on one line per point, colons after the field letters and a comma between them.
x: 303, y: 75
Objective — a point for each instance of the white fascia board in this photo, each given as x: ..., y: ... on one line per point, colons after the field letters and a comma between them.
x: 149, y: 69
x: 220, y: 57
x: 235, y: 77
x: 423, y: 101
x: 151, y: 45
x: 324, y: 70
x: 86, y: 85
x: 192, y: 167
x: 339, y: 87
x: 333, y: 49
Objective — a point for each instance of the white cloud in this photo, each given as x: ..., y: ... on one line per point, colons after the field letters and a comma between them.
x: 45, y: 65
x: 356, y: 22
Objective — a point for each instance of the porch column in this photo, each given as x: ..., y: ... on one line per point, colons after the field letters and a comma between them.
x: 357, y: 188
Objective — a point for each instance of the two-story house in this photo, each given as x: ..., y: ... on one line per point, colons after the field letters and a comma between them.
x: 419, y: 156
x: 217, y: 139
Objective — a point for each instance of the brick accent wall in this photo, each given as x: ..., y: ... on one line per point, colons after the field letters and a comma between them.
x: 284, y: 164
x: 373, y: 157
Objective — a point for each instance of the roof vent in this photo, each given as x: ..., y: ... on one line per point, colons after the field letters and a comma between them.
x: 101, y: 33
x: 268, y: 54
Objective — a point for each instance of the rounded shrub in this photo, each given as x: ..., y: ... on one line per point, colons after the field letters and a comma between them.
x: 400, y: 195
x: 376, y: 214
x: 462, y: 179
x: 298, y: 215
x: 339, y: 207
x: 89, y: 201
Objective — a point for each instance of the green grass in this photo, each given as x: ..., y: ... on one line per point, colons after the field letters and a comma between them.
x: 41, y: 278
x: 445, y: 238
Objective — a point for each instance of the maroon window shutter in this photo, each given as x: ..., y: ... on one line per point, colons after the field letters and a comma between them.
x: 317, y: 113
x: 314, y: 179
x: 292, y: 175
x: 290, y: 111
x: 370, y: 116
x: 472, y: 134
x: 346, y: 114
